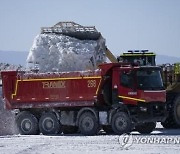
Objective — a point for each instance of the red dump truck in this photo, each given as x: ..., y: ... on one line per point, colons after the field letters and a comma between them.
x: 118, y: 97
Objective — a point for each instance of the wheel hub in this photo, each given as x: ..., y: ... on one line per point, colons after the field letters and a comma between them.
x: 120, y: 123
x: 48, y: 124
x: 87, y: 123
x: 26, y: 125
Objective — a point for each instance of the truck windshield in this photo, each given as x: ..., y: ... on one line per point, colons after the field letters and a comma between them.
x: 148, y: 79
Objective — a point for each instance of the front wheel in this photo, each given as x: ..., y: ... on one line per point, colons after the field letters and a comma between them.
x: 121, y: 123
x: 49, y: 124
x: 146, y: 128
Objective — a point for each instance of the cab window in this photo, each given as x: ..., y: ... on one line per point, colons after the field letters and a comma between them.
x: 126, y: 79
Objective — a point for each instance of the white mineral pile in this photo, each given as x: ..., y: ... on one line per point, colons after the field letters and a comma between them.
x: 7, y: 66
x: 63, y: 53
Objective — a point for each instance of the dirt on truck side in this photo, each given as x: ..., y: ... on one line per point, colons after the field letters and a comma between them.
x: 7, y: 119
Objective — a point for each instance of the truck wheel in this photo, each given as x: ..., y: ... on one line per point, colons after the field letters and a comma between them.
x: 173, y: 119
x: 177, y: 110
x: 121, y: 123
x: 49, y: 124
x: 70, y: 129
x: 88, y: 124
x: 108, y: 129
x: 146, y: 128
x: 169, y: 123
x: 27, y: 123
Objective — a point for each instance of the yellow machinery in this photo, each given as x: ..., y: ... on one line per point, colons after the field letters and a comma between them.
x: 110, y: 56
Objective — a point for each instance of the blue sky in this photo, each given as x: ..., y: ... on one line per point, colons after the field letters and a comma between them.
x: 126, y: 24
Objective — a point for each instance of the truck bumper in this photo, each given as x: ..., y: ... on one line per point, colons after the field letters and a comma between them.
x: 149, y: 112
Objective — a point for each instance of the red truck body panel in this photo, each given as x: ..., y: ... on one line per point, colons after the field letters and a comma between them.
x: 70, y: 89
x: 50, y: 90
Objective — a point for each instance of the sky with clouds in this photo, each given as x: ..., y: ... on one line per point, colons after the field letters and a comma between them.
x: 125, y: 24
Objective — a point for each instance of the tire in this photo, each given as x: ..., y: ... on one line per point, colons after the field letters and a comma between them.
x: 27, y: 123
x: 169, y: 123
x: 121, y: 123
x: 166, y: 124
x: 88, y: 124
x: 146, y: 128
x: 49, y: 124
x: 177, y: 111
x: 108, y: 129
x: 70, y: 129
x: 173, y: 119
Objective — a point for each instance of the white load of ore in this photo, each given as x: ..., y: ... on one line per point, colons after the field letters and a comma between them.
x: 59, y: 53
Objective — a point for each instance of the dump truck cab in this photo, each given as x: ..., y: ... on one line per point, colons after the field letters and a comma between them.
x: 139, y: 89
x: 171, y: 82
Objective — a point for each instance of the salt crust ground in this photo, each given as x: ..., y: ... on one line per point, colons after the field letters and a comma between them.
x: 77, y: 144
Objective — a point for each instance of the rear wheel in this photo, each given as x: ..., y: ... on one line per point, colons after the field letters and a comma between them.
x: 169, y: 123
x: 88, y: 124
x: 177, y: 110
x: 27, y: 123
x: 70, y: 129
x: 173, y: 119
x: 121, y: 123
x: 49, y: 124
x: 146, y: 128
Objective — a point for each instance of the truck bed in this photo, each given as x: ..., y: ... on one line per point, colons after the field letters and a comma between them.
x: 39, y: 90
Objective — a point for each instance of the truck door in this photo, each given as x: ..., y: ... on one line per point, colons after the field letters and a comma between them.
x: 127, y: 91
